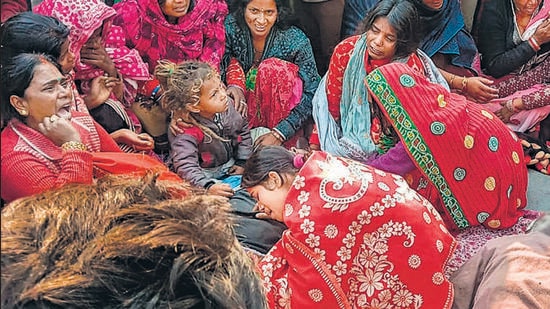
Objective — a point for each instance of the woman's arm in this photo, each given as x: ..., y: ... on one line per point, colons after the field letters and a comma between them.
x: 477, y: 88
x: 335, y: 75
x: 28, y: 174
x: 214, y: 34
x: 499, y: 57
x: 308, y: 73
x: 107, y: 142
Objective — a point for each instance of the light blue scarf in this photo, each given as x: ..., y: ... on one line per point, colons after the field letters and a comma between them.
x: 351, y: 138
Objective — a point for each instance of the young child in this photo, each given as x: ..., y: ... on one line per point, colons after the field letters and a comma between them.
x: 218, y: 143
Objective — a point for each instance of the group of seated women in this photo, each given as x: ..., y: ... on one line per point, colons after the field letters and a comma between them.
x: 418, y: 151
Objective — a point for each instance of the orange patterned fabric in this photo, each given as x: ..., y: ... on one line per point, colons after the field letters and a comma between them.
x: 357, y: 238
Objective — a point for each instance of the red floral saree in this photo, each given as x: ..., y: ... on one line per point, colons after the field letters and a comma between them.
x: 357, y: 238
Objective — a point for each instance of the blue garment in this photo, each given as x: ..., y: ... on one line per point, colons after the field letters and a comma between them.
x: 233, y: 180
x: 291, y: 45
x: 354, y: 12
x: 446, y: 33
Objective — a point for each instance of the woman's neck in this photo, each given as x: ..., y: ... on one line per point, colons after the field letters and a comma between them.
x: 259, y: 46
x: 171, y: 19
x: 522, y: 21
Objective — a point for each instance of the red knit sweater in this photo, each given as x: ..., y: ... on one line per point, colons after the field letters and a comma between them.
x: 31, y: 163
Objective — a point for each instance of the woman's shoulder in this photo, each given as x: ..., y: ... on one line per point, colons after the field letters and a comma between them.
x: 346, y: 44
x: 211, y: 7
x: 9, y: 138
x: 292, y: 38
x: 496, y: 6
x: 293, y: 33
x: 230, y: 21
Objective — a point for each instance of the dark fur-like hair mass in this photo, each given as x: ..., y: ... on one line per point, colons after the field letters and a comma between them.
x: 124, y: 243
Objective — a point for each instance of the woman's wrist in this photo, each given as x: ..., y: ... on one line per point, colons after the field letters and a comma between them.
x: 534, y: 43
x: 464, y: 84
x: 451, y: 81
x: 278, y: 135
x: 514, y: 105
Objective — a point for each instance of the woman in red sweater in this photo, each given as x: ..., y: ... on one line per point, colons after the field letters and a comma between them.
x: 44, y: 144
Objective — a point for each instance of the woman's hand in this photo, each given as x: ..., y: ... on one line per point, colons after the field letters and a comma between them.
x: 94, y: 53
x: 267, y: 139
x: 509, y: 108
x: 235, y: 170
x: 178, y: 126
x: 139, y: 142
x: 58, y: 130
x: 542, y: 34
x: 480, y: 90
x: 504, y: 114
x: 237, y: 94
x: 221, y: 189
x: 100, y: 90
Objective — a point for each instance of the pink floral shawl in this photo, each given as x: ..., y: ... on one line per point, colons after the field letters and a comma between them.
x: 83, y: 17
x: 199, y: 35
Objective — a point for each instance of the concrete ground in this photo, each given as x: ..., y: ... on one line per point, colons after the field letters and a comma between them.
x: 538, y: 191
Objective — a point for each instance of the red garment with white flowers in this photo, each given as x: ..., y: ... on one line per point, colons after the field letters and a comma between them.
x: 357, y: 238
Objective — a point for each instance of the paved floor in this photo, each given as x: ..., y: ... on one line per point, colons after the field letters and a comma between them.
x: 538, y: 191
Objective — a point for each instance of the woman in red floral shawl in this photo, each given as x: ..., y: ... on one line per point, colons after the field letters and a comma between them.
x: 357, y: 237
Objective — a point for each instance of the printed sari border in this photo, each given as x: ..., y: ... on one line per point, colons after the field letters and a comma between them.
x: 415, y: 143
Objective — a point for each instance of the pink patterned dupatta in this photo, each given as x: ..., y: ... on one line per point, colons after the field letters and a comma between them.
x: 83, y: 17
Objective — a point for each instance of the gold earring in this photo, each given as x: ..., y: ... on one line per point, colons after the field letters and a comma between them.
x: 23, y: 112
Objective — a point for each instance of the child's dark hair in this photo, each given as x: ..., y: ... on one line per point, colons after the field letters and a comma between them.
x: 403, y: 17
x: 265, y: 160
x: 182, y: 85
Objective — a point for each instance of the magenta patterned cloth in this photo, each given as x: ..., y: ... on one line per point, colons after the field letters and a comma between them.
x: 199, y: 35
x: 83, y: 17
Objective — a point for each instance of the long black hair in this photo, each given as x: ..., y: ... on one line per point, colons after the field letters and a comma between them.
x: 28, y: 32
x: 403, y: 17
x: 267, y: 159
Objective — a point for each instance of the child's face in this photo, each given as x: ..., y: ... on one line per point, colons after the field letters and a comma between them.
x: 213, y: 98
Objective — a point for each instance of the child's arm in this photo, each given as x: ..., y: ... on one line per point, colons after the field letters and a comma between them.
x: 185, y: 158
x: 244, y: 148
